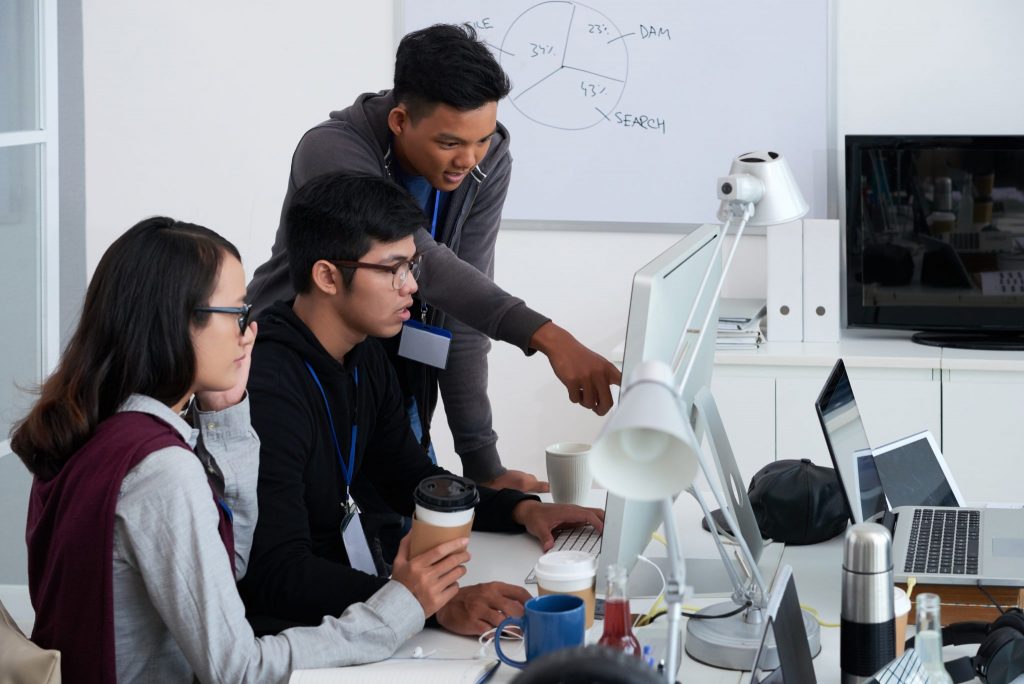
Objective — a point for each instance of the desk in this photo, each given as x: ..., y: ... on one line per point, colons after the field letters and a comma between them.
x: 817, y: 570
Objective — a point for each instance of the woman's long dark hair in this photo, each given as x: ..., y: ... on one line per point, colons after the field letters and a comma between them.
x: 134, y: 337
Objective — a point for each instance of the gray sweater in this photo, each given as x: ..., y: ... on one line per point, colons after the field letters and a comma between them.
x: 457, y: 272
x: 177, y: 613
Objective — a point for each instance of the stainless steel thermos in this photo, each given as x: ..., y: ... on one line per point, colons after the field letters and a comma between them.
x: 867, y: 637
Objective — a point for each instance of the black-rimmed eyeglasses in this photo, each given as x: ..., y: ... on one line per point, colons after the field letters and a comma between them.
x: 399, y: 272
x: 243, y: 312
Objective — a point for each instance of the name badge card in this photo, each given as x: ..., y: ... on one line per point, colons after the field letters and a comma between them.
x: 427, y: 344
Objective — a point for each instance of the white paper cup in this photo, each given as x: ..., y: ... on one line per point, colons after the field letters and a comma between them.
x: 569, y: 572
x: 901, y: 606
x: 569, y: 472
x: 445, y: 505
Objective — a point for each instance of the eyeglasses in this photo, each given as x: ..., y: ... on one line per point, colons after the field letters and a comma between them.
x: 399, y: 272
x: 243, y: 312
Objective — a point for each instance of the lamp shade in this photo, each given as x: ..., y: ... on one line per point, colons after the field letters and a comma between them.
x: 647, y: 450
x: 781, y: 201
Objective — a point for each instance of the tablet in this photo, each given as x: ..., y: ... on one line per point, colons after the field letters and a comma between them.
x: 914, y: 473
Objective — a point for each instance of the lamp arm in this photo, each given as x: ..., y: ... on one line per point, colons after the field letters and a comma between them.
x: 718, y: 440
x: 748, y: 211
x: 674, y: 588
x: 677, y: 357
x: 739, y: 589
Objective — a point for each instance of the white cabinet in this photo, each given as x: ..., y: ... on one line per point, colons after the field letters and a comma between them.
x: 767, y: 396
x: 983, y: 423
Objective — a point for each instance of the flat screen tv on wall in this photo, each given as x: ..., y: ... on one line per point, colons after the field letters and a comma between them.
x: 935, y: 237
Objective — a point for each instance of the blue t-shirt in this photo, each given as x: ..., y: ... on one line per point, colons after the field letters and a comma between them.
x: 433, y: 202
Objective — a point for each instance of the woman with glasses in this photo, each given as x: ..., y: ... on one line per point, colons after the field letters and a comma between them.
x: 143, y: 502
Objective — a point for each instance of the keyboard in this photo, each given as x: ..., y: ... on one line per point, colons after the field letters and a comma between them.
x: 584, y: 538
x: 944, y: 541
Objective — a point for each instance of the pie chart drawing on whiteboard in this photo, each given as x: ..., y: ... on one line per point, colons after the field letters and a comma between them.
x: 568, y: 64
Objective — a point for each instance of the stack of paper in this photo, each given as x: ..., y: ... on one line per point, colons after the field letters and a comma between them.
x: 740, y: 323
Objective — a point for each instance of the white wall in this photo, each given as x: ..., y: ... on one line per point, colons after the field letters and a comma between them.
x: 193, y: 109
x: 930, y: 67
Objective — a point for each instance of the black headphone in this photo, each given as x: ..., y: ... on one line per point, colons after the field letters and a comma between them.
x: 1000, y: 656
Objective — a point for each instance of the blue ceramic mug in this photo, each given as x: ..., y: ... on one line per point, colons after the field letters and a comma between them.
x: 550, y: 623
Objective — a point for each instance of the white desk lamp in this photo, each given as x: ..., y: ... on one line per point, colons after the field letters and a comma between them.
x: 647, y: 449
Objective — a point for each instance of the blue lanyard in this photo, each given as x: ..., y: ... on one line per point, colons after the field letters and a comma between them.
x: 433, y: 236
x: 346, y: 469
x: 437, y: 205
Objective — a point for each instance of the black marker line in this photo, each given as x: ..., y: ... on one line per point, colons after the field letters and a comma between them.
x: 602, y: 114
x: 620, y: 37
x: 537, y: 83
x: 619, y: 80
x: 567, y: 32
x: 494, y: 47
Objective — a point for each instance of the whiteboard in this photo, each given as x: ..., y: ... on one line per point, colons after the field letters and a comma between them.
x: 629, y: 110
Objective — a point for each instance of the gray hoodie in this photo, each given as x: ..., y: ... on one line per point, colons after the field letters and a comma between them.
x: 456, y: 278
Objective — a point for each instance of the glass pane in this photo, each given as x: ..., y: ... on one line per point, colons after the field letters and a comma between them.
x: 20, y: 296
x: 19, y: 66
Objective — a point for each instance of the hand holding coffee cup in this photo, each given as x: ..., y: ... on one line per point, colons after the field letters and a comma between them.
x: 431, y: 577
x: 569, y: 572
x: 444, y: 510
x: 569, y: 472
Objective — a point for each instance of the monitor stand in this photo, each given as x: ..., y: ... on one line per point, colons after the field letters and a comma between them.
x: 732, y: 643
x: 703, y: 575
x: 994, y: 341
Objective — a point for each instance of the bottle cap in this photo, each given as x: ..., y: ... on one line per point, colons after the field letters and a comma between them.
x: 867, y: 549
x: 446, y: 493
x: 563, y: 566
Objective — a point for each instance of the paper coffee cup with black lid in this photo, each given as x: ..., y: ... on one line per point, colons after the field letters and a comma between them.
x: 445, y: 505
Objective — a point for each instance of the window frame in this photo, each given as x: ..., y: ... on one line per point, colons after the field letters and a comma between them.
x: 45, y: 137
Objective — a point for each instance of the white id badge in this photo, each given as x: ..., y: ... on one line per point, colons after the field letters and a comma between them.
x: 356, y: 546
x: 425, y: 343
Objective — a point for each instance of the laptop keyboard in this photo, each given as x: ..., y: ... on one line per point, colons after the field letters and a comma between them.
x: 944, y: 541
x: 584, y: 538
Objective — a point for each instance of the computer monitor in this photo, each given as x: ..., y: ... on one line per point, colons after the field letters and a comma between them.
x: 664, y: 291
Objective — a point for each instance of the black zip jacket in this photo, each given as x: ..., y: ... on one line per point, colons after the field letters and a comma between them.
x: 298, y: 569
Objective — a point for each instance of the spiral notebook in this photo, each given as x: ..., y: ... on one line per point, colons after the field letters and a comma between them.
x: 419, y: 670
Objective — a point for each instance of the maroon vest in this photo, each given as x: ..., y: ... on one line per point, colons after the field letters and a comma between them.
x: 70, y: 535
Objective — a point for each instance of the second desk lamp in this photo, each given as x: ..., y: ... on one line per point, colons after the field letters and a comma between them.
x: 647, y: 449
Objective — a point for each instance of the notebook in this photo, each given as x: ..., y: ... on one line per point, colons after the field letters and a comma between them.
x: 936, y: 544
x: 419, y: 670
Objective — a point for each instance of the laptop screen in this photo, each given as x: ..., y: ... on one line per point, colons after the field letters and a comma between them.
x: 848, y: 444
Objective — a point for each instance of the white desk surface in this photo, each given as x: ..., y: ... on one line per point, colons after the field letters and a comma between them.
x: 509, y: 558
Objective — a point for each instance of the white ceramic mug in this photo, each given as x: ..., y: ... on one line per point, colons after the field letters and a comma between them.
x: 569, y: 472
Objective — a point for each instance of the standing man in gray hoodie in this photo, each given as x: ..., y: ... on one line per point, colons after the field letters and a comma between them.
x: 436, y: 134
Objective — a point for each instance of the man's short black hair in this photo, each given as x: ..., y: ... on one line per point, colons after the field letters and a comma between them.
x: 446, y: 64
x: 336, y: 216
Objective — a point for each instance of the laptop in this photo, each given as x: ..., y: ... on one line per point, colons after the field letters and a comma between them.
x: 936, y: 544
